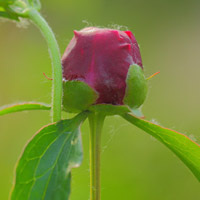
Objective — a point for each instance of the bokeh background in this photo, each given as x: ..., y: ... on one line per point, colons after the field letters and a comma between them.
x: 134, y: 165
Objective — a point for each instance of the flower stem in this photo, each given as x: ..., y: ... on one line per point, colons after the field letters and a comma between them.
x: 96, y: 121
x: 48, y: 34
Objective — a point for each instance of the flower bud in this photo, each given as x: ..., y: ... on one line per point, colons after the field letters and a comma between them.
x: 106, y: 66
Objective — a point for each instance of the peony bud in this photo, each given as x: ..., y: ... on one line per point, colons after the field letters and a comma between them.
x: 102, y: 66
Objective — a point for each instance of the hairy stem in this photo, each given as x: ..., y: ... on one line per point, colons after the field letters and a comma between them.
x: 96, y: 123
x: 48, y: 34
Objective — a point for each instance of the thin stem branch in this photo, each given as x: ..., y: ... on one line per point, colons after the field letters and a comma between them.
x: 48, y: 34
x: 96, y: 123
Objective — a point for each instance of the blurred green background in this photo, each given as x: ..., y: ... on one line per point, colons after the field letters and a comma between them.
x: 134, y: 165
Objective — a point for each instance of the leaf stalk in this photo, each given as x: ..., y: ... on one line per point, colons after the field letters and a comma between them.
x: 48, y: 34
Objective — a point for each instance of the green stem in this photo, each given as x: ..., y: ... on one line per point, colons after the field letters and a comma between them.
x: 48, y: 34
x: 96, y: 123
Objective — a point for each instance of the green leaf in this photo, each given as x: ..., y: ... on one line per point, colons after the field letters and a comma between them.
x: 8, y: 15
x: 6, y: 2
x: 5, y: 10
x: 22, y: 107
x: 44, y: 169
x: 186, y: 149
x: 35, y: 4
x: 13, y: 9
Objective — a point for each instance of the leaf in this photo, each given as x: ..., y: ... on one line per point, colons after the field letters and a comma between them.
x: 22, y: 107
x: 5, y: 10
x: 44, y: 169
x: 35, y: 4
x: 13, y: 9
x: 186, y: 149
x: 8, y: 15
x: 6, y: 2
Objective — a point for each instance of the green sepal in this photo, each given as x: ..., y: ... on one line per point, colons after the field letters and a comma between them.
x: 109, y: 109
x: 136, y: 87
x: 137, y: 112
x: 77, y: 96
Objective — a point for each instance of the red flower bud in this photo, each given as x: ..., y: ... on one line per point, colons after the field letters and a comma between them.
x: 101, y: 58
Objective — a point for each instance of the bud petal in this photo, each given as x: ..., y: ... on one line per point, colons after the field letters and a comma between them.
x: 101, y: 58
